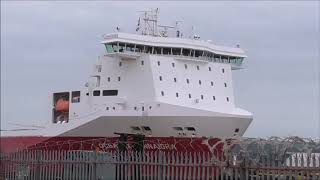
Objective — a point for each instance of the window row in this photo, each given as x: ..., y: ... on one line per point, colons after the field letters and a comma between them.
x: 180, y: 51
x: 190, y: 96
x: 188, y: 81
x: 147, y: 128
x: 186, y: 66
x: 104, y: 93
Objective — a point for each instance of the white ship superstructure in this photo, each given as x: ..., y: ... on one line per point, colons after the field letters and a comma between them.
x: 155, y: 85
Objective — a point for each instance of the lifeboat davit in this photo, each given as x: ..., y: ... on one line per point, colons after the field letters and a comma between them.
x: 62, y: 105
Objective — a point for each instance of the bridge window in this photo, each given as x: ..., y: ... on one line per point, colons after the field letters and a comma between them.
x: 139, y: 48
x: 228, y: 99
x: 149, y: 49
x: 178, y: 128
x: 198, y: 68
x: 187, y: 81
x: 175, y: 79
x: 146, y: 128
x: 122, y: 47
x: 177, y: 94
x: 166, y: 51
x: 158, y: 63
x: 198, y: 53
x: 176, y: 51
x: 190, y: 128
x: 192, y: 53
x: 129, y: 47
x: 211, y: 83
x: 189, y: 95
x: 214, y: 98
x: 75, y: 96
x: 111, y: 48
x: 162, y: 93
x: 201, y: 96
x: 222, y: 70
x: 96, y: 93
x: 185, y: 66
x: 110, y: 92
x: 135, y: 128
x: 160, y: 77
x: 209, y: 68
x: 172, y: 64
x: 225, y: 84
x: 186, y: 52
x: 157, y: 50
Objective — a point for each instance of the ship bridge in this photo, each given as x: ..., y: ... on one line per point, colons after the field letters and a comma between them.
x: 133, y: 45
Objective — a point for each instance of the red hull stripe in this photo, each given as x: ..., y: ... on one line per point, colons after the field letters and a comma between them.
x: 11, y: 144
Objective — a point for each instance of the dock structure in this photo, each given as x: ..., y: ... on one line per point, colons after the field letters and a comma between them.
x: 248, y: 160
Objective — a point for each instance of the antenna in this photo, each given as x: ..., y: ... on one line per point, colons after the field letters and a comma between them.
x: 150, y: 22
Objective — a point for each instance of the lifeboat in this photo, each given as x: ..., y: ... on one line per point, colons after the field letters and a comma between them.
x: 62, y: 105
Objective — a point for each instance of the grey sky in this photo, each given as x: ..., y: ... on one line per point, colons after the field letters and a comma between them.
x: 51, y: 46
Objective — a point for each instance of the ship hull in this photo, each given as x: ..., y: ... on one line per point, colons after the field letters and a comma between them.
x: 111, y: 144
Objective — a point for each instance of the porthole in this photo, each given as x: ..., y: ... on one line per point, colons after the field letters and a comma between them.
x: 135, y: 108
x: 87, y: 94
x: 150, y: 107
x: 107, y: 108
x: 114, y: 108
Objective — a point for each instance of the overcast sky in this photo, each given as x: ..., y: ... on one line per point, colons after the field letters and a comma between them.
x: 51, y: 46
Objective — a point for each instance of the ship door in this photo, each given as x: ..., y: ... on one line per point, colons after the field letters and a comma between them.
x: 60, y: 111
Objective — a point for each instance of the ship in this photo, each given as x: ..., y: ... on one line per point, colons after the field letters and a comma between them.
x: 170, y: 90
